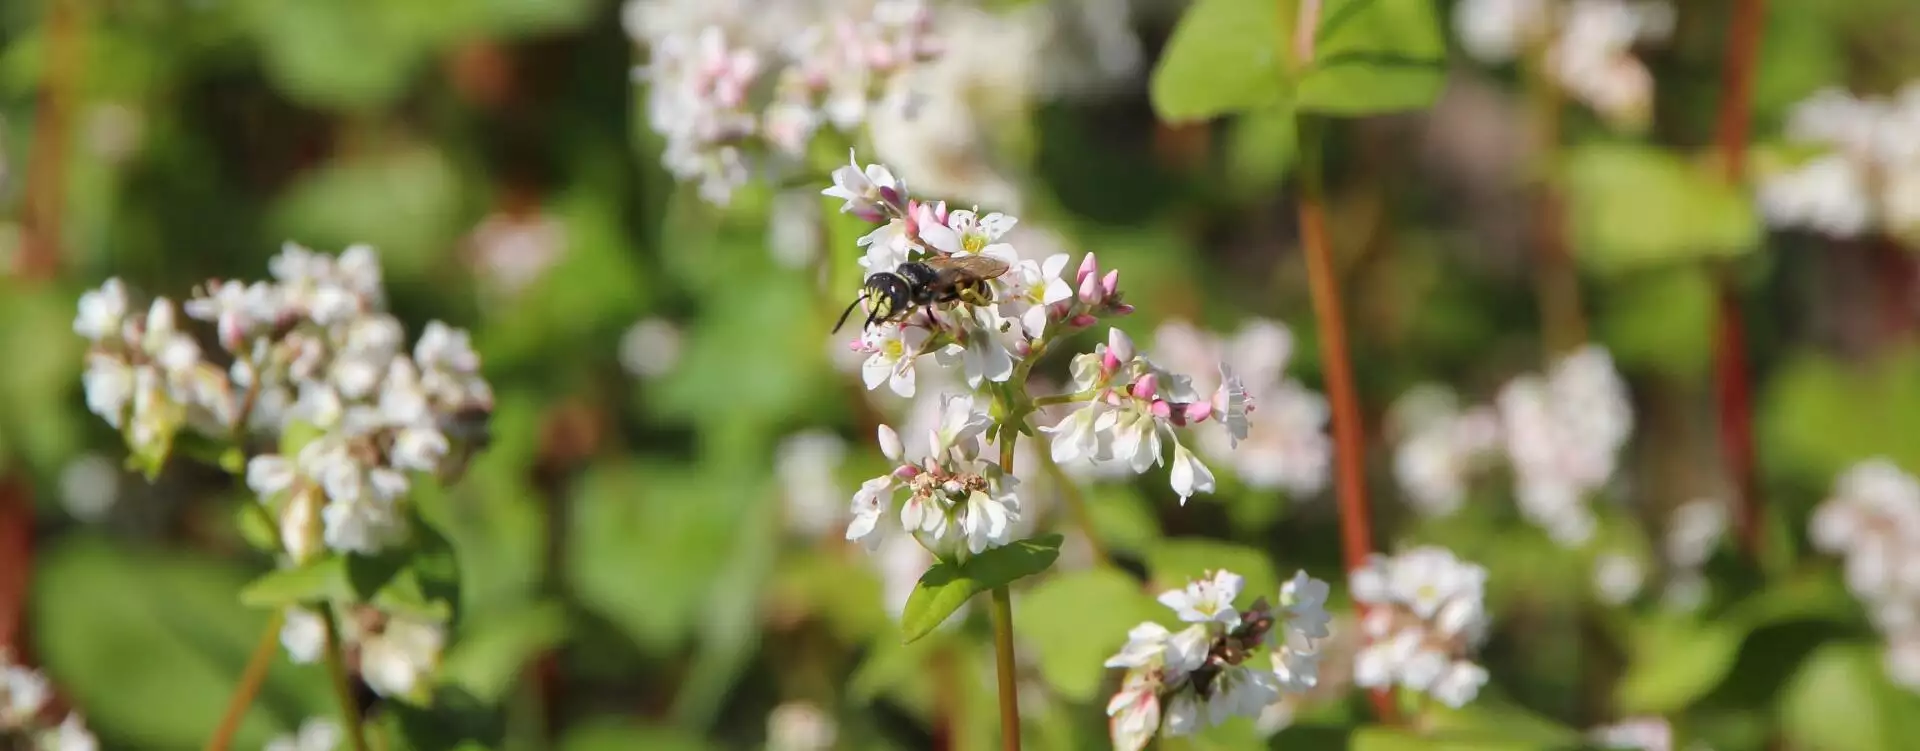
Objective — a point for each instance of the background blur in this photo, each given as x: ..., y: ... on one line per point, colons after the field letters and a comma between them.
x: 652, y: 544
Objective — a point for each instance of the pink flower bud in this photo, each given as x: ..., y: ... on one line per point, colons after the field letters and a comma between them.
x: 1198, y: 411
x: 906, y: 471
x: 1110, y: 284
x: 1145, y: 387
x: 1083, y: 320
x: 1160, y: 409
x: 868, y: 212
x: 890, y: 443
x: 1023, y: 348
x: 1088, y: 267
x: 1090, y: 290
x: 1112, y: 398
x: 1109, y: 363
x: 938, y: 211
x: 1119, y: 345
x: 1122, y: 309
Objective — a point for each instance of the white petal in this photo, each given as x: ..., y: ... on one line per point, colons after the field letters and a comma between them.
x: 876, y: 370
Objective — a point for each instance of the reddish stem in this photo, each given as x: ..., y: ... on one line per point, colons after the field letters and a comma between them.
x: 1732, y: 381
x: 16, y: 561
x: 1349, y: 436
x: 52, y: 127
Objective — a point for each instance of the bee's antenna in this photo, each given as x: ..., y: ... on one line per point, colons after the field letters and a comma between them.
x: 847, y: 312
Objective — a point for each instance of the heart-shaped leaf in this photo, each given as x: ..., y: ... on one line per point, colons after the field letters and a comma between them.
x: 1373, y: 57
x: 947, y: 586
x: 1225, y: 56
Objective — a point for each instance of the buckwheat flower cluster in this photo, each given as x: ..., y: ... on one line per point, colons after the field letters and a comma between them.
x: 730, y: 84
x: 25, y: 695
x: 311, y: 350
x: 1866, y: 178
x: 1424, y: 615
x: 1588, y: 46
x: 1635, y: 734
x: 1285, y: 445
x: 1442, y: 448
x: 1564, y: 433
x: 956, y: 501
x: 1560, y: 432
x: 397, y: 654
x: 1872, y: 521
x: 1178, y: 683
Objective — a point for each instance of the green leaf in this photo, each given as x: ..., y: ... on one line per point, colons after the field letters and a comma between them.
x: 1821, y: 415
x: 1261, y: 147
x: 151, y: 644
x: 1637, y: 207
x: 1841, y: 700
x: 1076, y: 620
x: 323, y: 579
x: 1179, y: 561
x: 945, y: 586
x: 1373, y: 57
x: 404, y: 201
x: 492, y: 650
x: 1675, y: 661
x: 1225, y: 56
x: 623, y: 735
x: 1660, y: 320
x: 1391, y: 739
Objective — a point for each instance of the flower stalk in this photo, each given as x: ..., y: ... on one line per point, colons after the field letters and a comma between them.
x: 336, y: 659
x: 250, y: 682
x: 1732, y: 381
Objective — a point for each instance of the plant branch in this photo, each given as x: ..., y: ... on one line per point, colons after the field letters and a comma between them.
x: 1356, y: 533
x: 1056, y: 399
x: 250, y: 682
x: 1732, y: 380
x: 342, y: 687
x: 1004, y: 667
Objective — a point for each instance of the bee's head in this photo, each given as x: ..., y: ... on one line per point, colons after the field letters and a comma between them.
x: 885, y: 294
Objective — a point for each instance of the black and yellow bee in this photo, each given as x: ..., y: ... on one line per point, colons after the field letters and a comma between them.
x: 893, y: 295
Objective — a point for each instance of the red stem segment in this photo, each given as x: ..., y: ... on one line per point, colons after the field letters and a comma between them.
x: 1732, y: 381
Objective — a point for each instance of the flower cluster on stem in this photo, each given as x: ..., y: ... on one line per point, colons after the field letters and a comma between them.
x: 1284, y: 445
x: 1866, y: 176
x: 1425, y: 616
x: 397, y: 653
x: 1178, y: 683
x: 1588, y: 46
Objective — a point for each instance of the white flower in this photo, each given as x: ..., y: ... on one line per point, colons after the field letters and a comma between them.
x: 1183, y: 715
x: 800, y: 726
x: 1134, y: 713
x: 109, y: 383
x: 966, y: 232
x: 867, y: 193
x: 1305, y: 599
x: 960, y: 422
x: 316, y: 734
x: 1207, y: 600
x: 985, y: 345
x: 1635, y: 734
x: 1617, y: 578
x: 806, y: 464
x: 869, y: 507
x: 102, y: 311
x: 419, y: 449
x: 1426, y: 614
x: 650, y: 348
x: 1030, y: 289
x: 987, y: 520
x: 1459, y: 683
x: 303, y: 635
x: 887, y: 246
x: 398, y: 660
x: 23, y: 693
x: 894, y: 348
x: 1146, y: 645
x: 1189, y: 476
x: 1241, y: 691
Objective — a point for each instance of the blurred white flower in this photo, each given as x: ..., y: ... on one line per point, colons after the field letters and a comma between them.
x: 1695, y: 531
x: 89, y: 485
x: 1207, y: 600
x: 396, y: 660
x: 1872, y: 520
x: 1276, y: 428
x: 1563, y: 435
x: 1443, y: 448
x: 1868, y: 179
x: 1425, y: 616
x: 800, y: 726
x: 1637, y: 733
x: 1588, y: 46
x: 316, y: 734
x: 650, y: 348
x: 70, y: 735
x: 806, y: 464
x: 303, y: 635
x: 1618, y: 578
x: 511, y: 250
x: 23, y: 693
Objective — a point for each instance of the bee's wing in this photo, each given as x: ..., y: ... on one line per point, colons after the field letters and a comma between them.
x: 954, y: 268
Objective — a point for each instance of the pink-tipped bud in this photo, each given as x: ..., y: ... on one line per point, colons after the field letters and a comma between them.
x: 1145, y: 387
x: 1198, y: 411
x: 1119, y: 345
x: 890, y: 443
x: 893, y: 197
x: 1160, y: 409
x: 1109, y: 363
x: 1023, y: 348
x: 1112, y: 398
x: 868, y: 212
x: 1088, y: 267
x: 1090, y: 290
x: 1110, y: 283
x: 1122, y: 309
x: 938, y: 212
x: 1083, y: 320
x: 906, y: 471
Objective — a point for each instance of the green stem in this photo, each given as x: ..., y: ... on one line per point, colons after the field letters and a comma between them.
x: 342, y: 688
x: 1004, y: 666
x: 1077, y: 396
x: 1076, y: 507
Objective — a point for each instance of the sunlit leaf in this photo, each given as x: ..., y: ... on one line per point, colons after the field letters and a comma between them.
x: 1373, y: 57
x: 1636, y: 207
x: 1078, y: 619
x: 1175, y: 562
x: 1225, y: 56
x: 945, y: 586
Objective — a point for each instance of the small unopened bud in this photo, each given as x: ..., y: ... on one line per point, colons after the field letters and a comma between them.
x: 1110, y: 283
x: 906, y: 471
x: 890, y: 443
x: 1088, y: 267
x: 1198, y: 411
x: 868, y: 212
x: 1122, y: 309
x: 1145, y: 387
x: 1089, y: 291
x: 1023, y: 348
x: 1161, y: 410
x: 1083, y: 320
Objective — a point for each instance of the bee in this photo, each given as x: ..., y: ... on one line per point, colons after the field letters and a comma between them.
x: 893, y: 295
